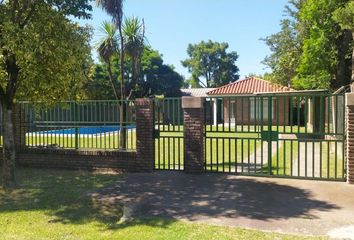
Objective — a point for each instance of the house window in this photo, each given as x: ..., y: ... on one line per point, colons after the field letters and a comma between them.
x: 232, y: 113
x: 259, y: 109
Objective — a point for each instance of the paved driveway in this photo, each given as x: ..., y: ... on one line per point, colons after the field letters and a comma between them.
x: 281, y: 205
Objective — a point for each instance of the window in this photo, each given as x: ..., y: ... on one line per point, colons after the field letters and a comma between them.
x: 259, y: 109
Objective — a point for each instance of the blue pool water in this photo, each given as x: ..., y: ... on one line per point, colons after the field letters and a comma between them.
x: 86, y: 130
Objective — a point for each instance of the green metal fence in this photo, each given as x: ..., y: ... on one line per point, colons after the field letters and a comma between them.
x: 168, y: 118
x: 80, y: 125
x: 294, y: 135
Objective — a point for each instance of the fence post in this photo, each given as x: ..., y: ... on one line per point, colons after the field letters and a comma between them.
x: 193, y: 110
x: 19, y: 126
x: 145, y: 142
x: 350, y: 136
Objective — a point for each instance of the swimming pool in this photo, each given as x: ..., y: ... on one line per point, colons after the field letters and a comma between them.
x: 86, y: 130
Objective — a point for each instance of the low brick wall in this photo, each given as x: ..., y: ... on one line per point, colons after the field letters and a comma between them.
x: 79, y: 159
x: 141, y: 160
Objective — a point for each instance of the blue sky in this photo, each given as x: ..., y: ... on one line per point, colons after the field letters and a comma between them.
x: 172, y: 24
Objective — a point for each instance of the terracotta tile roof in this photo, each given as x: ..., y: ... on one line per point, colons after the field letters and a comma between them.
x: 249, y: 86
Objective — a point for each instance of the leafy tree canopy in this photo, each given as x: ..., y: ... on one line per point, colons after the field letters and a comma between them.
x: 345, y: 16
x: 157, y: 78
x: 210, y: 62
x: 321, y: 46
x: 43, y: 55
x: 265, y: 76
x: 285, y: 53
x: 311, y: 51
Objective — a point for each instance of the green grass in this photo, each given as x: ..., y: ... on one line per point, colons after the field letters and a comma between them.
x: 104, y: 141
x: 111, y: 141
x: 53, y: 204
x: 222, y: 154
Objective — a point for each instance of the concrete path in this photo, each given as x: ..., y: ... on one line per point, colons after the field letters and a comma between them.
x: 256, y: 162
x: 281, y: 205
x: 259, y: 159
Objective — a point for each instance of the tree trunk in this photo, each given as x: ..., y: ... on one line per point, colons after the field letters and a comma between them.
x: 343, y: 65
x: 123, y: 131
x: 110, y: 74
x: 353, y: 58
x: 135, y: 76
x: 8, y: 148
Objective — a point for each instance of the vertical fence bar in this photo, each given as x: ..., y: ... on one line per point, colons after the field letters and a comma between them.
x: 270, y: 135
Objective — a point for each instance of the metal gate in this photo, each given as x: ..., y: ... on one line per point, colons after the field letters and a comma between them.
x: 293, y: 135
x: 168, y: 118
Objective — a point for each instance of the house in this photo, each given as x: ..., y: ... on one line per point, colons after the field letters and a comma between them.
x: 255, y: 101
x: 240, y: 102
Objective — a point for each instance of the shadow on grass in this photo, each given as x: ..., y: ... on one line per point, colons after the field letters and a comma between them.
x: 60, y: 194
x: 77, y: 197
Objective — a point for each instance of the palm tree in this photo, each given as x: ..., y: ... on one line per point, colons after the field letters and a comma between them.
x: 134, y: 36
x: 107, y: 48
x: 115, y: 9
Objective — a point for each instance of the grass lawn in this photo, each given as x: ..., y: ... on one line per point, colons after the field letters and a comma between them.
x: 91, y: 141
x: 52, y: 204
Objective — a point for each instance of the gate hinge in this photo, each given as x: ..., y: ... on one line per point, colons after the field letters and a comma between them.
x: 156, y: 133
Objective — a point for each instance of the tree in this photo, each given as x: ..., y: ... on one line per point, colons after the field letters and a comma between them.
x: 311, y: 51
x: 210, y: 61
x: 344, y: 16
x: 99, y: 86
x: 324, y: 61
x: 114, y: 8
x: 265, y: 76
x: 107, y: 48
x: 38, y: 62
x: 285, y: 49
x: 285, y: 46
x: 159, y: 78
x: 134, y: 36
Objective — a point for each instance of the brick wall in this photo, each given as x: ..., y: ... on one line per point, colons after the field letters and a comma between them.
x: 141, y: 160
x: 350, y: 137
x: 145, y: 141
x: 193, y: 134
x: 19, y: 127
x: 77, y: 159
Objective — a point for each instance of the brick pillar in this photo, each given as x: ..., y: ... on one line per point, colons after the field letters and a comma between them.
x: 19, y: 126
x: 350, y: 136
x: 193, y: 109
x: 145, y: 143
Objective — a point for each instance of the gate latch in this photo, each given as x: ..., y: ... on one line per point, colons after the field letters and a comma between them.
x: 270, y: 135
